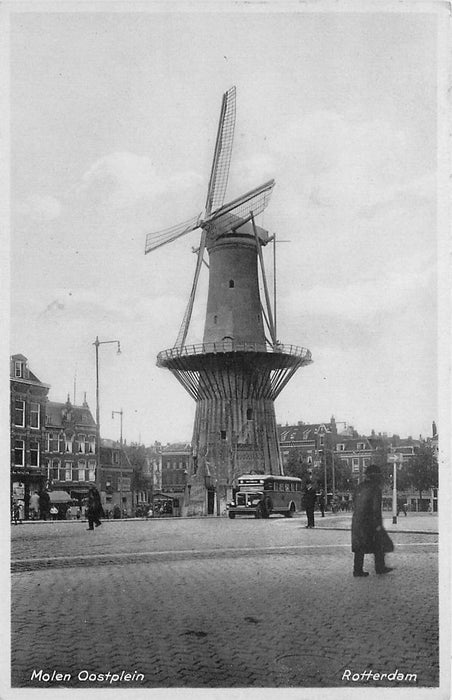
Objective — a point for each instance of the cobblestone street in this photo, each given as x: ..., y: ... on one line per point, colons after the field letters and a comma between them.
x: 218, y: 603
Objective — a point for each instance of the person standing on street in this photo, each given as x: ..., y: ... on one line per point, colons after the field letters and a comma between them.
x: 94, y: 511
x: 309, y: 500
x: 44, y: 504
x: 368, y: 533
x: 34, y: 506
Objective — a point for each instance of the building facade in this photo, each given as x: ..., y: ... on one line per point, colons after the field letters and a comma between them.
x: 28, y: 398
x: 70, y: 457
x: 115, y: 480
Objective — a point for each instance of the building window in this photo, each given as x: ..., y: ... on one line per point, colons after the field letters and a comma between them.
x: 34, y: 453
x: 366, y: 461
x: 81, y: 444
x: 340, y: 447
x: 53, y: 442
x: 68, y: 471
x: 19, y: 453
x: 81, y: 470
x: 55, y: 469
x: 321, y: 439
x: 19, y: 369
x: 309, y: 459
x: 115, y: 458
x: 91, y: 444
x: 360, y: 446
x: 91, y: 470
x: 231, y: 284
x: 35, y: 415
x: 62, y: 474
x: 68, y: 443
x: 249, y: 414
x: 19, y: 413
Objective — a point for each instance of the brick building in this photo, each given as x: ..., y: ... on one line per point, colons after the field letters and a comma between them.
x: 28, y: 398
x: 70, y: 451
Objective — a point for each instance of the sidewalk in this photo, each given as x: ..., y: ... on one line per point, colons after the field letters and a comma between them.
x: 418, y: 523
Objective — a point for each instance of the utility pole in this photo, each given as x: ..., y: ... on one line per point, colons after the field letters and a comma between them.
x: 119, y: 413
x: 96, y: 344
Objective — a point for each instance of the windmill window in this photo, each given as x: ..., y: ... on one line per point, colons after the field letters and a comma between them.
x: 249, y: 414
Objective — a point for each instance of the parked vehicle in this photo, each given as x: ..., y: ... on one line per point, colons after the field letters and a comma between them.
x: 262, y: 495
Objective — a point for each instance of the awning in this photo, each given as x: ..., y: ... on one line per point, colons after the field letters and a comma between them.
x: 59, y: 497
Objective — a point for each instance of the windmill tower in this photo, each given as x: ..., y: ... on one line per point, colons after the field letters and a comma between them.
x: 236, y: 373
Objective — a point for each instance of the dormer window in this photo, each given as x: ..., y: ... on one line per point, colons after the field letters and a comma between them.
x: 19, y: 369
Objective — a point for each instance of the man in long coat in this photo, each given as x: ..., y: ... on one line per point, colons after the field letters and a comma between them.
x: 94, y: 510
x: 368, y: 534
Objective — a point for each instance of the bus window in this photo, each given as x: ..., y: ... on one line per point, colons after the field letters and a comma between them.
x: 287, y: 487
x: 269, y: 486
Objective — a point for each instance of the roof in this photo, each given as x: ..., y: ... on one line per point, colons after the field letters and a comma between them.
x: 177, y: 447
x: 81, y: 415
x: 303, y: 432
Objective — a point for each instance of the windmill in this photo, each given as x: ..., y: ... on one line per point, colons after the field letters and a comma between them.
x: 236, y: 373
x: 217, y: 217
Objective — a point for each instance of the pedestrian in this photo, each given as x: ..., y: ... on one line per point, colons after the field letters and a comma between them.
x: 368, y: 533
x: 69, y: 513
x: 94, y: 510
x: 44, y: 504
x: 309, y: 502
x: 322, y: 502
x: 15, y: 513
x: 401, y: 506
x: 34, y: 506
x: 54, y: 512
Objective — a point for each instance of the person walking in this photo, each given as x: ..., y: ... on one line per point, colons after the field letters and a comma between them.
x: 368, y: 533
x: 94, y: 511
x: 33, y: 508
x: 44, y: 504
x: 309, y: 503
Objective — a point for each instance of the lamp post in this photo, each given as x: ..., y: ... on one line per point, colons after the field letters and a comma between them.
x: 96, y: 344
x: 394, y: 458
x: 119, y: 413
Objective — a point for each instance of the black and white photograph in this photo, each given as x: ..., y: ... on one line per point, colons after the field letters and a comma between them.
x: 226, y: 300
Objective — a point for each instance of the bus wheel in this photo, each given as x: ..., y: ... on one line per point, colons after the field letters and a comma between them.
x: 291, y: 511
x: 231, y: 515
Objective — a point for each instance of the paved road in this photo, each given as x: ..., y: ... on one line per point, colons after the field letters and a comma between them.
x: 218, y: 603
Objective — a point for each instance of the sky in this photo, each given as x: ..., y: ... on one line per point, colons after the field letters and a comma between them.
x: 113, y: 122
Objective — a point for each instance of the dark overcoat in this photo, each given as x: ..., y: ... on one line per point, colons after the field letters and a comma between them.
x: 366, y: 516
x: 94, y: 504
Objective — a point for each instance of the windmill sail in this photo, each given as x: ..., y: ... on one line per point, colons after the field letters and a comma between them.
x: 241, y: 208
x: 158, y: 238
x: 222, y: 155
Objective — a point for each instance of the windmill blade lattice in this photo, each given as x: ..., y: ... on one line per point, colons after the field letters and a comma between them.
x: 158, y: 238
x: 254, y: 201
x: 222, y: 156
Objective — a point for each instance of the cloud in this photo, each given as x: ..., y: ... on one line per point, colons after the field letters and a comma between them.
x: 41, y: 207
x: 119, y: 180
x: 344, y: 161
x: 365, y: 298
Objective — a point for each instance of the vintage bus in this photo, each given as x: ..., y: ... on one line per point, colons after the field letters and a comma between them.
x: 262, y: 495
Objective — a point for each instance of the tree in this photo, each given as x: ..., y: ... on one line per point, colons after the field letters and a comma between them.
x: 297, y: 465
x: 423, y: 469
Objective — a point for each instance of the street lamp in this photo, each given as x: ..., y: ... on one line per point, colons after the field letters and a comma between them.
x: 119, y: 413
x: 394, y: 458
x: 96, y: 344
